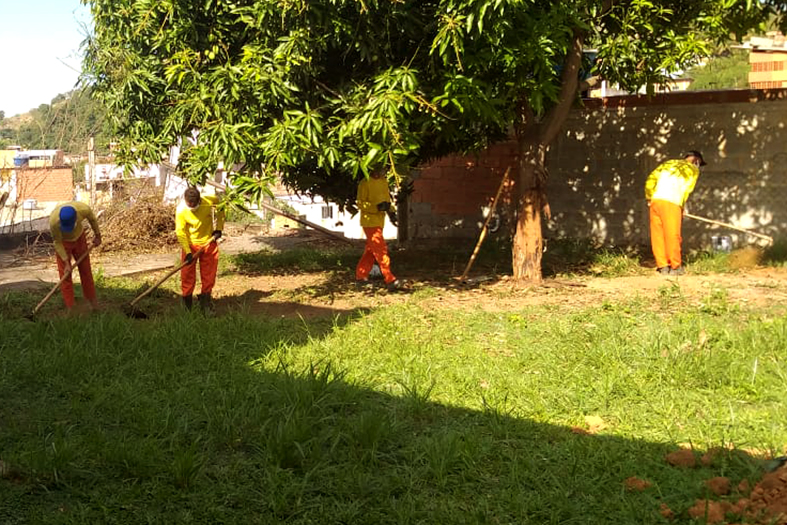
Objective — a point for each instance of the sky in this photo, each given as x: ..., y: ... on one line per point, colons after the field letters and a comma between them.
x: 39, y: 45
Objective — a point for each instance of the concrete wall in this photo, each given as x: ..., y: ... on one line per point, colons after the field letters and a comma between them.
x: 599, y: 164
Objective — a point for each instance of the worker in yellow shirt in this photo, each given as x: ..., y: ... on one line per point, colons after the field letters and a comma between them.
x: 195, y: 229
x: 68, y: 234
x: 667, y: 189
x: 374, y: 201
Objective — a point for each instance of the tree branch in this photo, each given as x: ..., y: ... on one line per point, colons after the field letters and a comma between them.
x: 569, y: 83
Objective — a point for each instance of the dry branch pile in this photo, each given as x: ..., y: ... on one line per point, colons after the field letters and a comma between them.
x: 143, y: 225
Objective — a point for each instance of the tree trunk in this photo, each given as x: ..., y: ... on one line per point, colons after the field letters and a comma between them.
x: 528, y: 242
x: 534, y: 135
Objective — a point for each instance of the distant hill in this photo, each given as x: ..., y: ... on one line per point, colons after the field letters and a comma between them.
x: 66, y: 123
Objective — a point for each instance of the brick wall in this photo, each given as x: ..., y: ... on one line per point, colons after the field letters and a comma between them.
x: 46, y: 185
x: 452, y: 193
x: 599, y: 164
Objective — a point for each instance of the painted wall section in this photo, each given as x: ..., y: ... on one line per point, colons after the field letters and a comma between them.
x: 599, y: 164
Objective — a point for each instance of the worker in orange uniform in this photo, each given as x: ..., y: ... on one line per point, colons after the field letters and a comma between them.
x: 374, y: 201
x: 666, y: 190
x: 68, y: 234
x: 195, y: 230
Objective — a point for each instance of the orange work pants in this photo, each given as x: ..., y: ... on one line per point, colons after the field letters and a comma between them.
x: 208, y: 265
x: 665, y: 239
x: 75, y: 249
x: 376, y: 249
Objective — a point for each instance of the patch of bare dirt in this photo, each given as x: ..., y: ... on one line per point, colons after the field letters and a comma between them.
x: 757, y: 287
x: 765, y: 504
x: 634, y: 484
x: 718, y: 485
x: 681, y: 458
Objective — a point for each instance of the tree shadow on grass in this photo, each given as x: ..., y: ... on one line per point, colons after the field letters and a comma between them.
x: 194, y: 419
x: 437, y: 265
x: 18, y: 302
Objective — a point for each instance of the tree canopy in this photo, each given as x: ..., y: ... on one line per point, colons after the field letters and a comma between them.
x: 324, y: 91
x: 725, y: 71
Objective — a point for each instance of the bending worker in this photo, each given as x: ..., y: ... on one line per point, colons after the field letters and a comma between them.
x: 195, y: 230
x: 374, y: 201
x: 68, y: 234
x: 667, y: 189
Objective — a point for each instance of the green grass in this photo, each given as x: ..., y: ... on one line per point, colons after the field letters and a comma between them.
x: 776, y: 255
x: 405, y: 414
x: 296, y: 260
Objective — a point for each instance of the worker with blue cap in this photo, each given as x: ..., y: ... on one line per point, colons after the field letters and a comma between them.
x: 69, y: 237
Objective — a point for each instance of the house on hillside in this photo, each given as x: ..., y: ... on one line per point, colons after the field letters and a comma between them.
x: 39, y: 158
x: 32, y: 183
x: 679, y: 82
x: 768, y: 60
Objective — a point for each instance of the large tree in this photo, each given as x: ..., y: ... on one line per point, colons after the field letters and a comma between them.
x: 323, y: 91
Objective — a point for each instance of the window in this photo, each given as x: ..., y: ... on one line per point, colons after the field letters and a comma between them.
x: 327, y: 212
x: 772, y: 84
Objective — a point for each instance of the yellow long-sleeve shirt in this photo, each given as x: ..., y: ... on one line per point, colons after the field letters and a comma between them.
x: 195, y: 227
x: 372, y: 192
x: 672, y: 181
x: 58, y: 236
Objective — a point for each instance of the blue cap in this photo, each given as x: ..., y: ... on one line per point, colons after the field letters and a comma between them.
x: 68, y: 219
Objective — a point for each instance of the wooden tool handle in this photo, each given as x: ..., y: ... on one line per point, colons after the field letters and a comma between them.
x: 730, y: 226
x: 485, y: 227
x: 66, y: 275
x: 172, y: 272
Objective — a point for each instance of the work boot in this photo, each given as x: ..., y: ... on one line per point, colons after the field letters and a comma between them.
x: 188, y: 301
x: 680, y: 270
x: 664, y: 270
x: 205, y: 302
x: 395, y: 286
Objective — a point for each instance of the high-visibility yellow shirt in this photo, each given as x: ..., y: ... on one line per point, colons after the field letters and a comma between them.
x: 58, y: 236
x: 195, y: 227
x: 372, y: 192
x: 672, y: 181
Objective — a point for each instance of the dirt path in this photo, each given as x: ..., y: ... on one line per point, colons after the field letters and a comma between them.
x: 314, y: 294
x: 311, y: 294
x: 18, y: 272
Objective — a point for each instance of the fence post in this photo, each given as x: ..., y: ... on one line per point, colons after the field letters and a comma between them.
x: 91, y: 162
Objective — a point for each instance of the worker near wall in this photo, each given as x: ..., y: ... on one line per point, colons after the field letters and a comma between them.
x: 374, y: 202
x: 68, y: 234
x: 195, y: 230
x: 667, y: 189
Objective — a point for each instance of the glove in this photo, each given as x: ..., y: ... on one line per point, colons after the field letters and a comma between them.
x: 384, y: 206
x: 393, y: 218
x: 217, y: 234
x: 189, y: 258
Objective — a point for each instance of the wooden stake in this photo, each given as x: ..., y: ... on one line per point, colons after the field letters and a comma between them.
x: 91, y: 162
x: 486, y: 225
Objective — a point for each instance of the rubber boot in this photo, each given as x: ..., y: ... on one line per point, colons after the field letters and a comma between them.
x: 188, y: 301
x: 205, y: 302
